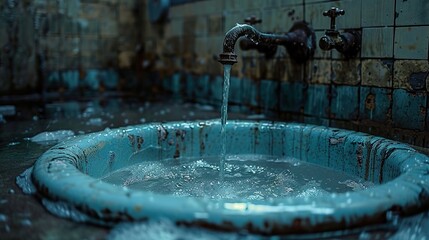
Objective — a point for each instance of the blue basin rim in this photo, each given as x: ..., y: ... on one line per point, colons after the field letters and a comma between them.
x: 70, y: 171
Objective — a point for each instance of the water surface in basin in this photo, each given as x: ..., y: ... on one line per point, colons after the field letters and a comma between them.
x: 252, y: 177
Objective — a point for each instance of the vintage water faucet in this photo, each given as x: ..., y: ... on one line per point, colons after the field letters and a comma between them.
x: 347, y: 43
x: 299, y: 41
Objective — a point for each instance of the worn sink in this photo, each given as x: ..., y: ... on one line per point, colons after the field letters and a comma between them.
x: 69, y: 173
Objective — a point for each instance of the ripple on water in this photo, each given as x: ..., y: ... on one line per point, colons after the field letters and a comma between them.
x: 252, y: 177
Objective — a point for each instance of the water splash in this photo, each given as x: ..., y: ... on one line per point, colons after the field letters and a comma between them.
x: 52, y: 137
x: 25, y: 183
x: 224, y: 117
x: 252, y: 177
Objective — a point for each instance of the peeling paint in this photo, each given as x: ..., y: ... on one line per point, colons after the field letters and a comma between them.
x: 334, y: 141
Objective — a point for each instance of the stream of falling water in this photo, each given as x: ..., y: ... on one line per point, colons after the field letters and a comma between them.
x: 224, y: 117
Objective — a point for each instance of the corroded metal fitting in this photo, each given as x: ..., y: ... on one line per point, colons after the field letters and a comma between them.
x: 228, y: 58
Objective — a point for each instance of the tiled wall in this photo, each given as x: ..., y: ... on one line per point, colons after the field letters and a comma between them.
x: 78, y: 45
x: 383, y: 91
x: 67, y: 45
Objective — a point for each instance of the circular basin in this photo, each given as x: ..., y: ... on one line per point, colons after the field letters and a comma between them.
x: 70, y: 172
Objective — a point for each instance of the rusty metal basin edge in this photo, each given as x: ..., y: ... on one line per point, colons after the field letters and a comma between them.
x: 70, y: 172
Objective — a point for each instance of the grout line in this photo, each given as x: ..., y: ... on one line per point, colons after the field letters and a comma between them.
x: 393, y: 67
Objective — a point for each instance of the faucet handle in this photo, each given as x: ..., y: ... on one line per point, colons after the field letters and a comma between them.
x: 333, y: 13
x: 252, y: 20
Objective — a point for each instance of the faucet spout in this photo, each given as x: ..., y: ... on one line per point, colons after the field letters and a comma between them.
x: 330, y: 40
x: 231, y: 37
x: 299, y: 41
x: 254, y: 35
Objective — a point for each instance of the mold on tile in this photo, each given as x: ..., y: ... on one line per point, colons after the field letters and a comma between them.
x: 375, y: 104
x: 409, y: 109
x: 412, y: 75
x: 377, y: 72
x: 346, y: 72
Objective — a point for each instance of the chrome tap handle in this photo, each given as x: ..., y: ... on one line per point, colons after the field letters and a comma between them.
x: 333, y: 13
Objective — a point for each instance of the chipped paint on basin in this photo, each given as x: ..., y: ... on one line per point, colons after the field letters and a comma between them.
x: 68, y: 172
